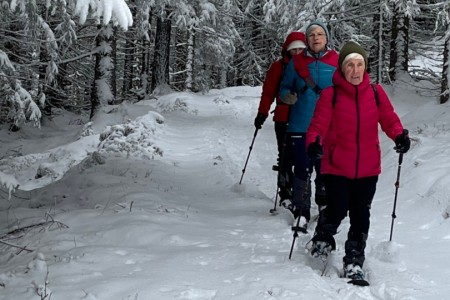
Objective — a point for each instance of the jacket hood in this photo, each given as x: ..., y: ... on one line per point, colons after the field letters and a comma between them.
x: 293, y: 36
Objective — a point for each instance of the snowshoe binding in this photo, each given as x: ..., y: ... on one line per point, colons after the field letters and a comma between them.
x: 321, y: 250
x: 356, y: 275
x: 300, y: 224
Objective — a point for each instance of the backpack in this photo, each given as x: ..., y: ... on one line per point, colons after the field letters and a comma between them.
x: 374, y: 88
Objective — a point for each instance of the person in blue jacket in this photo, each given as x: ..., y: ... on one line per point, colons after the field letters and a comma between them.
x: 304, y: 78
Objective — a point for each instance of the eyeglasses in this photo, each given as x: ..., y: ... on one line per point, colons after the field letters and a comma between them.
x: 314, y: 35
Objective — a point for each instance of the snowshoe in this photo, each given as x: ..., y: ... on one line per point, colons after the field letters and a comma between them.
x: 287, y: 203
x: 320, y: 250
x: 356, y: 275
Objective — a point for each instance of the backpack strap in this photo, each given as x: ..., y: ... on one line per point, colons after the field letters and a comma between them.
x: 303, y: 71
x: 374, y: 88
x: 280, y: 79
x: 375, y: 91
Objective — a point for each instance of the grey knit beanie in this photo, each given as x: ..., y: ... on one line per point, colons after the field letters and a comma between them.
x: 315, y: 24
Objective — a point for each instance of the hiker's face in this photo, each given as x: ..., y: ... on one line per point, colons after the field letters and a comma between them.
x: 295, y: 51
x: 317, y: 40
x: 354, y: 70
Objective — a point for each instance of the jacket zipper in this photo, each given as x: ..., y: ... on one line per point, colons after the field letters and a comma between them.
x: 358, y: 120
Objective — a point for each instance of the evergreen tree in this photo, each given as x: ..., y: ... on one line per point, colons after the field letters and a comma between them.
x: 443, y: 20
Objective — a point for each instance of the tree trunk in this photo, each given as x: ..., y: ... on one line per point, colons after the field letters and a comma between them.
x: 114, y: 61
x: 95, y: 100
x: 128, y: 65
x: 190, y: 59
x: 393, y: 54
x: 404, y: 30
x: 160, y: 70
x: 376, y: 50
x: 148, y: 61
x: 101, y: 90
x: 445, y: 88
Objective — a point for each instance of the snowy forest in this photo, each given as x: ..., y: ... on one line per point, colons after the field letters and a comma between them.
x: 125, y: 126
x: 80, y: 55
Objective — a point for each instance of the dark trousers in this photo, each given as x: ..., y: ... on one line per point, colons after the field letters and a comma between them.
x: 303, y: 167
x: 280, y: 134
x: 353, y: 197
x: 301, y: 161
x: 285, y: 175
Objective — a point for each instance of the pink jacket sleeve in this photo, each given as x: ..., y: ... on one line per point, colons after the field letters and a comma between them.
x: 387, y: 117
x: 322, y: 117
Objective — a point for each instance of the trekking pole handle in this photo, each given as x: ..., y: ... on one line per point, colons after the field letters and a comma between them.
x: 400, y: 159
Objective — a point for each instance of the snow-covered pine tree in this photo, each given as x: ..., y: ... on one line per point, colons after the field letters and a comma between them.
x: 443, y: 20
x: 101, y: 92
x: 250, y: 61
x: 403, y: 12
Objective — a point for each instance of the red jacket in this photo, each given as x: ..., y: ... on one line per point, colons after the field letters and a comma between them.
x: 349, y: 130
x: 271, y: 86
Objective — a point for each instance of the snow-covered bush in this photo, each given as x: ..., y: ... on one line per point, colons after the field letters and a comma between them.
x: 8, y: 182
x: 135, y: 138
x: 87, y: 130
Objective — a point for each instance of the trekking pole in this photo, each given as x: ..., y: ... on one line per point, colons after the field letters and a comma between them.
x: 297, y: 226
x: 248, y: 156
x: 274, y: 209
x: 295, y: 235
x: 397, y: 185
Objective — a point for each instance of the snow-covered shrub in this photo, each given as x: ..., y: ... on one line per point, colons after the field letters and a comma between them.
x: 94, y: 159
x: 87, y: 129
x: 45, y: 170
x: 8, y: 182
x: 135, y: 138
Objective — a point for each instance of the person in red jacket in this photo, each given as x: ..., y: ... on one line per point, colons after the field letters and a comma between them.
x: 344, y: 134
x: 295, y: 42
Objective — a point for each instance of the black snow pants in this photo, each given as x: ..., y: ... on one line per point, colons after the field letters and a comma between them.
x: 353, y: 197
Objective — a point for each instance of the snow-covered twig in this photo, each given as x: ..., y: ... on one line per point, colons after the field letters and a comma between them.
x: 21, y: 229
x: 16, y: 246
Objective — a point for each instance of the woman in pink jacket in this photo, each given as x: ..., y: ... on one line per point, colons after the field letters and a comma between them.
x: 344, y: 134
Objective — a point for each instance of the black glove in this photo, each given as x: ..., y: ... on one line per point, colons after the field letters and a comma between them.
x: 315, y: 150
x: 290, y: 98
x: 317, y: 90
x: 402, y: 142
x: 259, y: 120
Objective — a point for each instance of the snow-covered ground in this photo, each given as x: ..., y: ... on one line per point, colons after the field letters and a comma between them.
x: 155, y: 209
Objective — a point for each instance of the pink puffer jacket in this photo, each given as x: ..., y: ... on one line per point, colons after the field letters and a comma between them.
x: 349, y: 130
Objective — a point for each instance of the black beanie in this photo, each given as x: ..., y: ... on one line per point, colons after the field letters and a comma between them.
x: 349, y: 48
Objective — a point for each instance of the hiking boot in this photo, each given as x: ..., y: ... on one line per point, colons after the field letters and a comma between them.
x: 287, y: 203
x: 321, y: 249
x: 285, y: 193
x: 321, y: 200
x: 354, y: 272
x: 320, y: 195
